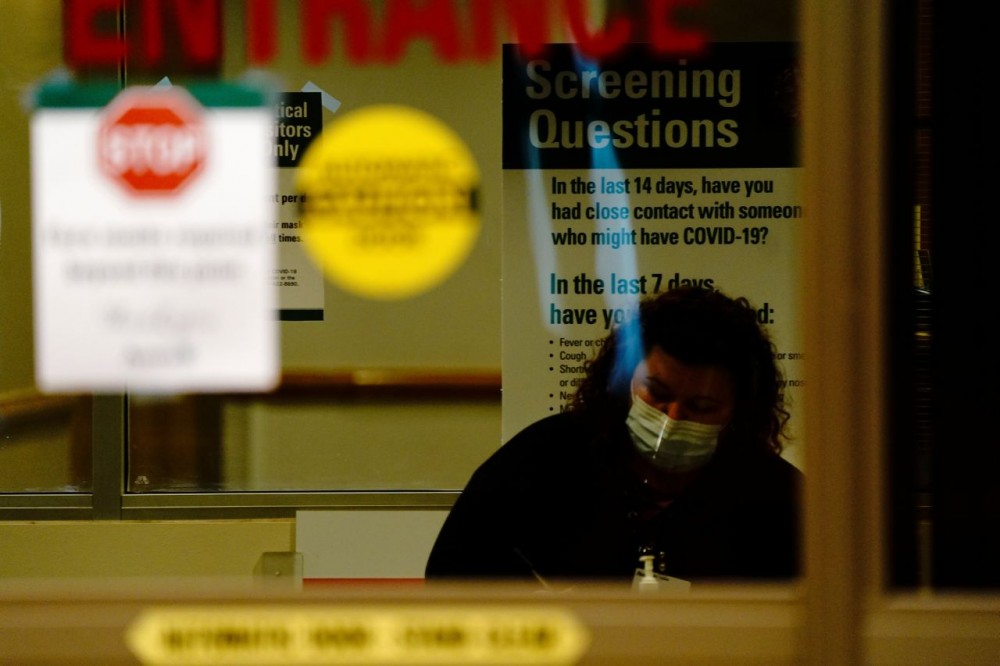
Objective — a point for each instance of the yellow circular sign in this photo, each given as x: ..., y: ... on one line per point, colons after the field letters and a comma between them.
x: 390, y: 204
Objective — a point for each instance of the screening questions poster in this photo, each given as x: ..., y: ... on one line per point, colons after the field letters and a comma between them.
x: 630, y: 176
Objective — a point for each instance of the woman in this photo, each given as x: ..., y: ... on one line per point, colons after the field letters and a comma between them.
x: 670, y: 447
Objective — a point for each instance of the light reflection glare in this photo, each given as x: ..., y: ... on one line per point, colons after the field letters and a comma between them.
x: 608, y: 260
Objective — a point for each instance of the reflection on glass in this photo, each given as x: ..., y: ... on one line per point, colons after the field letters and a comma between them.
x: 670, y: 450
x: 346, y: 431
x: 44, y: 443
x: 944, y: 496
x: 44, y: 439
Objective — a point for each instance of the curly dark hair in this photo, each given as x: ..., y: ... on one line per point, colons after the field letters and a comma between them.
x: 696, y: 326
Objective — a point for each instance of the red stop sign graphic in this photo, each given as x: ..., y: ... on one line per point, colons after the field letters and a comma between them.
x: 152, y: 141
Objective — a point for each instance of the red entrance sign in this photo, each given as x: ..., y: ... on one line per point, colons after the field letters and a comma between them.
x: 152, y: 141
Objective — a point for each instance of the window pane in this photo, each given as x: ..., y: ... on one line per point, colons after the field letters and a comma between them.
x: 944, y: 491
x: 322, y: 436
x: 370, y: 385
x: 44, y: 440
x: 326, y: 440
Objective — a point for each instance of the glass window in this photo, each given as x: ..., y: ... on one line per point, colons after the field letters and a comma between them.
x: 44, y: 440
x: 942, y: 493
x: 369, y: 387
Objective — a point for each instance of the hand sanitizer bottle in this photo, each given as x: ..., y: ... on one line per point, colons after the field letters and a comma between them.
x: 647, y: 582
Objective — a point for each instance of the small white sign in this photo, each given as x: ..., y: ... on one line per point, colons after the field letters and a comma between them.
x: 153, y: 262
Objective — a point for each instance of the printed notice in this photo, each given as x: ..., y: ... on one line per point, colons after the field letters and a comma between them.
x: 152, y: 257
x: 297, y: 123
x: 632, y: 177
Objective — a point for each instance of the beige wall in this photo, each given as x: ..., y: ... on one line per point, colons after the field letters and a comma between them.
x: 124, y: 549
x: 30, y: 49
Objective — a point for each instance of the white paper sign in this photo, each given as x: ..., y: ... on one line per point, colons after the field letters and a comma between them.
x: 300, y: 282
x: 153, y: 262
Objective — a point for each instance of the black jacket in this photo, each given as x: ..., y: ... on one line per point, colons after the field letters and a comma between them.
x: 560, y: 502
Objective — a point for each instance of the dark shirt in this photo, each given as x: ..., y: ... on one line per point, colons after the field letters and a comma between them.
x: 561, y: 501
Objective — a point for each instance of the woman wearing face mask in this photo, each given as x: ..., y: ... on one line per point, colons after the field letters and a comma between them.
x: 670, y: 448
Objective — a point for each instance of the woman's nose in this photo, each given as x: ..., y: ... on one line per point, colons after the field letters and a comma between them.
x: 675, y: 411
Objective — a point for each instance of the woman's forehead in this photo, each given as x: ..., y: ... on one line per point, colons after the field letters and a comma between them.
x: 661, y: 367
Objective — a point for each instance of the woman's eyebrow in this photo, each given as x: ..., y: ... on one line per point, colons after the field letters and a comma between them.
x: 651, y: 379
x: 658, y: 384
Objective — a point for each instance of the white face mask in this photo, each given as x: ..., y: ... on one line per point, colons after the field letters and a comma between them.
x: 676, y: 446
